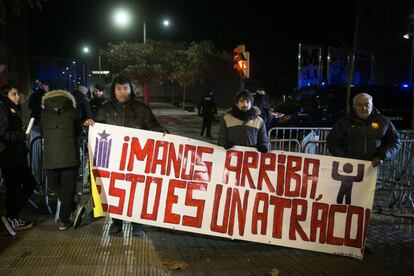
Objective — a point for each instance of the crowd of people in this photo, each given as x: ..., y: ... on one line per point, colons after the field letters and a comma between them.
x: 60, y: 116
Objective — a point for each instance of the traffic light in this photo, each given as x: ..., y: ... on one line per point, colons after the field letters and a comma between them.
x: 241, y: 61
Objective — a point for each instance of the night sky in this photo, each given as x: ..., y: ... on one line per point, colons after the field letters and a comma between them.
x: 270, y: 30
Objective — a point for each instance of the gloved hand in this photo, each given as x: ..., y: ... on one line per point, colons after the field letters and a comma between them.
x: 262, y: 148
x: 228, y: 145
x: 376, y: 162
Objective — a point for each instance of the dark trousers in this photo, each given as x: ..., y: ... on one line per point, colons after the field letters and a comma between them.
x: 63, y: 182
x: 120, y: 222
x: 20, y: 185
x: 206, y: 125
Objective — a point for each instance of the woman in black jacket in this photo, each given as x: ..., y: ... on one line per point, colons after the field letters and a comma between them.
x: 19, y: 179
x: 60, y: 127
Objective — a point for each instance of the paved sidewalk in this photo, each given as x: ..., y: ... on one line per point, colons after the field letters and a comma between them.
x: 89, y: 250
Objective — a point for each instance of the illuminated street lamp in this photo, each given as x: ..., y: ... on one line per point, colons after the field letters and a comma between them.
x: 411, y: 36
x: 165, y: 23
x: 99, y: 63
x: 85, y: 49
x: 122, y: 19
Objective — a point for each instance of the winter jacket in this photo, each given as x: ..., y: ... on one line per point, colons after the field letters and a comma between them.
x: 373, y: 138
x: 84, y: 109
x: 261, y: 103
x: 249, y: 131
x: 60, y: 127
x: 12, y: 136
x: 95, y: 103
x: 207, y: 107
x: 35, y: 102
x: 132, y: 114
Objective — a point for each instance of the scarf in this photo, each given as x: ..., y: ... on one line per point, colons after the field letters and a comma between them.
x: 243, y: 115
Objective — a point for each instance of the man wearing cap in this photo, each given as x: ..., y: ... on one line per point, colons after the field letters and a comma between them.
x: 242, y: 126
x: 364, y: 134
x: 35, y: 101
x: 98, y: 98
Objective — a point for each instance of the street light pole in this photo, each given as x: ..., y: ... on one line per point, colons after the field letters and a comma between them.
x: 144, y: 32
x: 99, y: 67
x: 74, y: 73
x: 86, y: 52
x: 84, y: 76
x: 411, y: 79
x: 122, y: 19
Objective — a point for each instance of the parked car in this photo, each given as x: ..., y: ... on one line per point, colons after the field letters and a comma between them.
x: 323, y: 106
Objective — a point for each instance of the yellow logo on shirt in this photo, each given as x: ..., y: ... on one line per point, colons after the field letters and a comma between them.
x: 375, y: 125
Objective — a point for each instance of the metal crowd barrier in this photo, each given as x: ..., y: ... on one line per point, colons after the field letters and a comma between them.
x: 35, y: 162
x: 293, y: 139
x: 84, y: 166
x: 316, y: 147
x: 395, y: 176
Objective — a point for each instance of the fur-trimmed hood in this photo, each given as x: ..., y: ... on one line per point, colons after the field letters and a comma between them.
x: 58, y: 93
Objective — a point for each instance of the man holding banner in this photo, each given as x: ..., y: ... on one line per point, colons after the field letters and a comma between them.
x: 123, y: 110
x: 364, y: 134
x: 242, y: 126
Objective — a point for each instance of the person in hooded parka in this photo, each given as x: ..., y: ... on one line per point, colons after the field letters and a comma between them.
x: 60, y: 127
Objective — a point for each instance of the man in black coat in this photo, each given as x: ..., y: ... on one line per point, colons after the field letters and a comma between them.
x: 364, y: 134
x: 84, y: 109
x: 98, y: 98
x: 123, y: 110
x: 35, y: 101
x: 207, y: 109
x: 261, y: 103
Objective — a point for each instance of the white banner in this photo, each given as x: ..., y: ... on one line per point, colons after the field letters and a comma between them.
x: 311, y: 202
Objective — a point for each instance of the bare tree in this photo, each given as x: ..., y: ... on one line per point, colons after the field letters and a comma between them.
x: 362, y: 13
x: 16, y: 7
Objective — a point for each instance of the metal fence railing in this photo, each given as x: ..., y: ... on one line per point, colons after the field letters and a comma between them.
x: 397, y: 175
x: 294, y: 139
x: 35, y: 161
